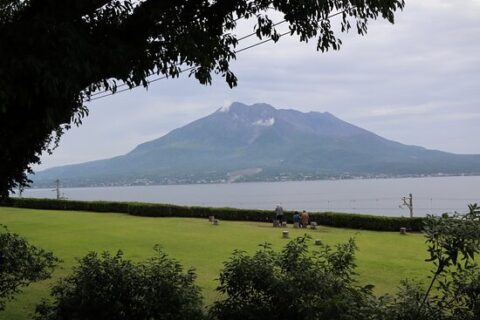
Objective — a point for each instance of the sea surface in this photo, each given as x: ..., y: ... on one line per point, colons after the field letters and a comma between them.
x: 431, y: 195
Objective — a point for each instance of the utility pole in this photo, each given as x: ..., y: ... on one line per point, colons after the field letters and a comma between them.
x: 408, y: 202
x: 57, y: 182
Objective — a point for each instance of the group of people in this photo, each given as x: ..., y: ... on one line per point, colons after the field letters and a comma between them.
x: 301, y: 218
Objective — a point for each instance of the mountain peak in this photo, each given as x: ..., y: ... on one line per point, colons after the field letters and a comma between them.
x: 276, y: 143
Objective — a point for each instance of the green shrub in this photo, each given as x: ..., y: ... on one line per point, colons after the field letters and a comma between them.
x: 367, y: 222
x: 340, y: 220
x: 296, y: 284
x: 112, y: 287
x: 21, y: 264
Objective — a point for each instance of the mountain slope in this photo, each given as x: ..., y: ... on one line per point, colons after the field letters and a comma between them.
x: 259, y: 142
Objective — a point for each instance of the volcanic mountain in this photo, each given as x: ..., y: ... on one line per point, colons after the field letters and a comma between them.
x: 261, y: 143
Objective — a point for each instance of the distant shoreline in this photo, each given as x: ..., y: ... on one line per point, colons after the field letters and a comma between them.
x: 74, y: 186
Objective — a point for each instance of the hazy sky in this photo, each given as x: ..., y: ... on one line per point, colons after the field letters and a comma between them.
x: 416, y: 82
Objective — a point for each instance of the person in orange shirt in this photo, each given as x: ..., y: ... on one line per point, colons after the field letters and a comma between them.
x: 304, y: 218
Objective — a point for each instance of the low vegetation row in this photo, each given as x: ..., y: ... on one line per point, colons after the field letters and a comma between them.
x: 334, y: 219
x: 296, y: 283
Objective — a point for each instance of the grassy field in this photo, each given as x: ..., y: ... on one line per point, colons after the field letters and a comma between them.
x: 383, y: 258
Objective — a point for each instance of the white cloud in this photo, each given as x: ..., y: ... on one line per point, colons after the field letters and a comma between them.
x: 265, y: 122
x: 404, y: 110
x: 225, y: 108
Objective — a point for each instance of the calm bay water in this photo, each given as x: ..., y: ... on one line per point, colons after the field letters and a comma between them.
x: 368, y: 196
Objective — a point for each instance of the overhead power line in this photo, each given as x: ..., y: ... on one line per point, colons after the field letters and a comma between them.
x: 107, y: 93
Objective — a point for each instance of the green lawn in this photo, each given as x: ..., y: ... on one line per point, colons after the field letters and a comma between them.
x: 383, y: 260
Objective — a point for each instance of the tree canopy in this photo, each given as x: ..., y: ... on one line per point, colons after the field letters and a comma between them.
x: 57, y: 53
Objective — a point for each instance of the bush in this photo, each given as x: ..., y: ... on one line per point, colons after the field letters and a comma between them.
x: 367, y: 222
x: 53, y: 204
x: 113, y: 288
x: 294, y: 284
x: 21, y: 264
x: 340, y: 220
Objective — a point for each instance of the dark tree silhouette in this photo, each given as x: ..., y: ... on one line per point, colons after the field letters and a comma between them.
x: 56, y: 53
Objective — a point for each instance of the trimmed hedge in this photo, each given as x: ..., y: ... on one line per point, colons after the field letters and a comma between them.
x: 341, y: 220
x: 367, y: 222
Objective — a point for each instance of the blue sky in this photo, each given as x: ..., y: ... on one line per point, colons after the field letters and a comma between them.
x: 416, y: 82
